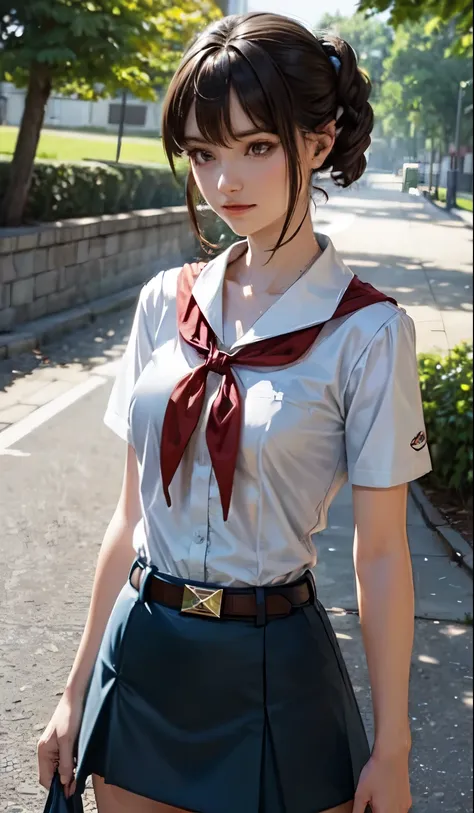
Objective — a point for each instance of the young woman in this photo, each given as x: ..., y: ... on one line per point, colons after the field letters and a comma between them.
x: 209, y: 678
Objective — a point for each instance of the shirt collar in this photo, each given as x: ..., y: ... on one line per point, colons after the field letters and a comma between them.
x: 309, y: 301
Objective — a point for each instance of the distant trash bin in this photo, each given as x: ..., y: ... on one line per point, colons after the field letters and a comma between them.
x: 410, y: 176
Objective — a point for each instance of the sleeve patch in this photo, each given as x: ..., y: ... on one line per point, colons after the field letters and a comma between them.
x: 419, y: 442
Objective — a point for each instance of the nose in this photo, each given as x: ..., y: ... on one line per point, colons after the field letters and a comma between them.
x: 228, y: 181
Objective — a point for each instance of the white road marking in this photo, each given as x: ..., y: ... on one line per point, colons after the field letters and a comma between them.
x: 44, y: 413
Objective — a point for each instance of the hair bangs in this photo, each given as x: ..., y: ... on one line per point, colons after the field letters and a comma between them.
x: 206, y: 80
x: 208, y: 87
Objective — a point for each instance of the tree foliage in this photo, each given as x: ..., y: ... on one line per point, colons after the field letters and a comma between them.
x: 421, y: 81
x: 94, y: 48
x: 88, y: 49
x: 433, y: 12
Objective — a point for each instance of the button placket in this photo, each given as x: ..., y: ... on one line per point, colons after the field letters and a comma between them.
x: 198, y: 513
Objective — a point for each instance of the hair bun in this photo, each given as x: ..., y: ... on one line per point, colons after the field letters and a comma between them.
x: 347, y: 160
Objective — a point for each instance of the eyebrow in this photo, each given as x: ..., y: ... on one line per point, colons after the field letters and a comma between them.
x: 244, y: 134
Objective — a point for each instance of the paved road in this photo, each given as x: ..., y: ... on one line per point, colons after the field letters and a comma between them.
x: 61, y: 471
x: 411, y: 250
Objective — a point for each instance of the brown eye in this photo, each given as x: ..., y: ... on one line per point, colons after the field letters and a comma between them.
x: 262, y: 148
x: 199, y: 156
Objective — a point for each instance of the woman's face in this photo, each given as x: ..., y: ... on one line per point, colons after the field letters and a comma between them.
x: 250, y: 173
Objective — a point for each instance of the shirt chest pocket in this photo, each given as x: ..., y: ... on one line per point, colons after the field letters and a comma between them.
x: 273, y: 419
x: 262, y: 402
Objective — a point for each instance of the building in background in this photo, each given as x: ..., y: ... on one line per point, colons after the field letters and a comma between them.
x: 75, y: 114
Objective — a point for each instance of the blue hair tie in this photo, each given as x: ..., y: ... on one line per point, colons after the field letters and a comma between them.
x: 336, y: 62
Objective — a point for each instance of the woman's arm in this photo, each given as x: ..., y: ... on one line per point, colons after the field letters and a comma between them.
x: 386, y: 606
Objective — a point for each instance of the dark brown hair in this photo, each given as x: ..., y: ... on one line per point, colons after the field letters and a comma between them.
x: 284, y: 80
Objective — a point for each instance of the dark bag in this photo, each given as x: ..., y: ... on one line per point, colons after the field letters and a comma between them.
x: 57, y: 802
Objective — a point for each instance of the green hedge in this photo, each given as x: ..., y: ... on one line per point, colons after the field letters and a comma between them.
x: 61, y: 190
x: 446, y: 386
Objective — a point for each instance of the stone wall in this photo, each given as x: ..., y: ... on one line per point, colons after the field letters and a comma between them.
x: 50, y: 268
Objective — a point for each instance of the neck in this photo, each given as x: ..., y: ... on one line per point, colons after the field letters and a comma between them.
x: 256, y: 265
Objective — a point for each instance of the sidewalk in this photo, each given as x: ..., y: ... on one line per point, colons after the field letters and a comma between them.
x: 441, y: 674
x: 443, y: 590
x: 464, y: 215
x: 459, y: 214
x: 410, y: 249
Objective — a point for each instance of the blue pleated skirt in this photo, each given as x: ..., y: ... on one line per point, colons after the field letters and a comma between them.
x: 222, y: 716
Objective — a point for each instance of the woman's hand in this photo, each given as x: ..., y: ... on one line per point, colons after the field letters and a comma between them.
x: 56, y: 744
x: 384, y: 784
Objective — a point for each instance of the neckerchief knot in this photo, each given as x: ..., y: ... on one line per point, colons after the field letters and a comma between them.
x: 218, y: 362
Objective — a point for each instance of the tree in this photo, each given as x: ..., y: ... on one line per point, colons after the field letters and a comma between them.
x: 371, y: 39
x: 420, y: 83
x: 90, y: 48
x: 433, y: 12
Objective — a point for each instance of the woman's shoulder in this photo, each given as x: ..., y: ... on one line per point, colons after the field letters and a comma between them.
x: 162, y: 285
x: 157, y: 300
x: 375, y: 323
x: 381, y: 330
x: 161, y: 289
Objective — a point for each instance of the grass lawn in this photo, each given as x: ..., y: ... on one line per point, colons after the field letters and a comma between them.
x: 461, y: 202
x: 72, y: 146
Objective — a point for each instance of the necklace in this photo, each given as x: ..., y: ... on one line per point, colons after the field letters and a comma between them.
x: 248, y: 289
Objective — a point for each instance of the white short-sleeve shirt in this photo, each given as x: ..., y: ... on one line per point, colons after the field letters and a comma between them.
x: 350, y: 408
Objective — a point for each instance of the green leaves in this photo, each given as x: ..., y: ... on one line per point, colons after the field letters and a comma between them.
x: 447, y: 391
x: 415, y: 70
x: 421, y: 80
x: 130, y: 45
x: 440, y: 12
x: 61, y: 190
x: 53, y: 55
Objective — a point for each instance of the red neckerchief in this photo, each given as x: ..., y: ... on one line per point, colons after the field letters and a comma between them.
x: 224, y: 423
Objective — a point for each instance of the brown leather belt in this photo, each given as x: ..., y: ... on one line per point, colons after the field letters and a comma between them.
x: 223, y: 602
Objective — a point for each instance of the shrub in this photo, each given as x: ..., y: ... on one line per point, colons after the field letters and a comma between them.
x: 62, y: 190
x: 446, y: 386
x: 91, y: 188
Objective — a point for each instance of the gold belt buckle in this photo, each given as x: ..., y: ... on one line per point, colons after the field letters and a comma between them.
x: 202, y: 601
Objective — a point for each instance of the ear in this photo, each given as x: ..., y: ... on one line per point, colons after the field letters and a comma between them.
x: 320, y: 144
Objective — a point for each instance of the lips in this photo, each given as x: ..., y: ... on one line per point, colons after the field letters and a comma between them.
x: 238, y: 208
